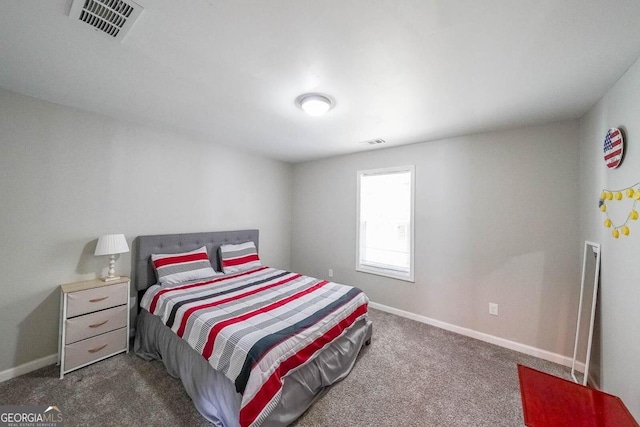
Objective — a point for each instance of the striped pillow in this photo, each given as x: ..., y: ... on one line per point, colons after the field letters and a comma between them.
x: 235, y: 258
x: 177, y: 268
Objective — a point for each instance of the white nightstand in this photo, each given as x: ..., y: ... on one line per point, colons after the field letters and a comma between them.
x: 94, y: 322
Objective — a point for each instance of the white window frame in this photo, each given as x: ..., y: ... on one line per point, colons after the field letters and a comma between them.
x: 380, y: 271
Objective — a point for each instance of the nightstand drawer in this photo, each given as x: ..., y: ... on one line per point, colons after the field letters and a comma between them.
x: 89, y: 325
x: 94, y: 322
x: 92, y: 349
x: 95, y: 299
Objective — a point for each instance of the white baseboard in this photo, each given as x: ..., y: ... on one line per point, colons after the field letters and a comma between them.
x: 28, y: 367
x: 502, y: 342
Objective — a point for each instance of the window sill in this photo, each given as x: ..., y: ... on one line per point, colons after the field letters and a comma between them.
x: 385, y: 273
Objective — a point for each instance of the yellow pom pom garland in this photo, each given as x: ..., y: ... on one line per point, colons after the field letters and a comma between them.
x: 633, y: 193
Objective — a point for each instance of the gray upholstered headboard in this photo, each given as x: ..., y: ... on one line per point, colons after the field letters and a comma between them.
x: 143, y: 274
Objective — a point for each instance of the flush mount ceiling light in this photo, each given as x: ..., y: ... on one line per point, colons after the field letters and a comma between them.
x: 314, y: 104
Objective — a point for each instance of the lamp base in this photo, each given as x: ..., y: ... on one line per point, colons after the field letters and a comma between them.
x: 108, y: 279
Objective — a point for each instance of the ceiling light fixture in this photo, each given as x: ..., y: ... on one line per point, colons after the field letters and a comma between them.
x: 314, y: 104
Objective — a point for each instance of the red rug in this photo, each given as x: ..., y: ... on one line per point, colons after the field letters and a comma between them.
x: 555, y: 402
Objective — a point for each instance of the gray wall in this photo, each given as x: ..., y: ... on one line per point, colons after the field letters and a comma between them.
x: 496, y: 221
x: 619, y: 346
x: 68, y: 176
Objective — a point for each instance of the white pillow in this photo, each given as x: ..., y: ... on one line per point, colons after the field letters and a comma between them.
x: 236, y: 258
x: 180, y: 267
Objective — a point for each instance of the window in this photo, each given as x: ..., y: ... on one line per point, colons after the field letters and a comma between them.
x: 385, y: 222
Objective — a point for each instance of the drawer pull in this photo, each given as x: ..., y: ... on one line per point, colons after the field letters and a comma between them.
x: 97, y: 325
x: 95, y: 350
x: 98, y: 299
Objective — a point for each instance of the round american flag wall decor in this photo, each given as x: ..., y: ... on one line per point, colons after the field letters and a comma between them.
x: 613, y: 148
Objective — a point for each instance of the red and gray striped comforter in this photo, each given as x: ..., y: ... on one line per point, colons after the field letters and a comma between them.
x: 257, y: 326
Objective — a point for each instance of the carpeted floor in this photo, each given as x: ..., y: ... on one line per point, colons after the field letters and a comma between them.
x: 411, y: 375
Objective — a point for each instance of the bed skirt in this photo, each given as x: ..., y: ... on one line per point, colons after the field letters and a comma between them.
x: 215, y: 396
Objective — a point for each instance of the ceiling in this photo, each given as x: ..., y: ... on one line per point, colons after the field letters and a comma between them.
x: 404, y: 71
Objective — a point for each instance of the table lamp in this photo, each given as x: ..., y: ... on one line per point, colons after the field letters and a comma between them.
x: 111, y: 244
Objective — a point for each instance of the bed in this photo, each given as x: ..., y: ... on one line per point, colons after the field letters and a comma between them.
x: 262, y: 373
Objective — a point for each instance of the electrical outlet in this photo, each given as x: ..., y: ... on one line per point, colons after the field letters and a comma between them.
x: 493, y: 308
x: 331, y: 272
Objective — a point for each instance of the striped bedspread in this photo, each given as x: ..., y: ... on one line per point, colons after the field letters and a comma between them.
x: 256, y: 326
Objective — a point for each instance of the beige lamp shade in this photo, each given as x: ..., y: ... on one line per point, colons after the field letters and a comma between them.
x: 111, y: 244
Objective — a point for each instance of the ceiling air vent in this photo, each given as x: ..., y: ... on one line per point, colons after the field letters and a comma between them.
x: 376, y: 141
x: 110, y: 17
